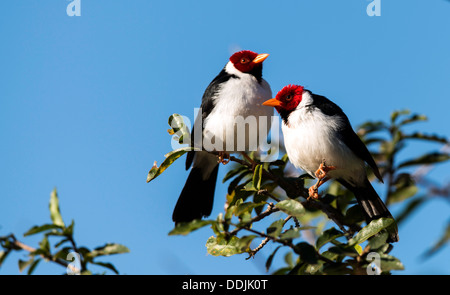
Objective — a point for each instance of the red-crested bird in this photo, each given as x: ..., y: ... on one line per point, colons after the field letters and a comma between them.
x: 319, y: 140
x: 238, y: 90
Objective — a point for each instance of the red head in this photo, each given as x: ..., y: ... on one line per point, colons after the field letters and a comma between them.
x: 287, y: 99
x: 246, y: 60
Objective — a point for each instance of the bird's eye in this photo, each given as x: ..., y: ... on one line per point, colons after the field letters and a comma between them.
x: 288, y: 97
x: 244, y: 60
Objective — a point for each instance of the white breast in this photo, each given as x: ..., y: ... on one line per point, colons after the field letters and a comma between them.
x: 311, y: 137
x: 239, y: 101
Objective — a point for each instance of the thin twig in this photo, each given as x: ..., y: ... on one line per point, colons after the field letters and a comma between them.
x: 260, y: 246
x: 265, y: 241
x: 270, y: 209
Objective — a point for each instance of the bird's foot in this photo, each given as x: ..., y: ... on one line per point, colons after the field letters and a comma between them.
x: 323, y: 170
x: 313, y: 192
x: 224, y: 158
x: 322, y: 177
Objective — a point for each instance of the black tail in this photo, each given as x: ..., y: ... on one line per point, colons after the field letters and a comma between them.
x: 197, y: 197
x: 373, y: 206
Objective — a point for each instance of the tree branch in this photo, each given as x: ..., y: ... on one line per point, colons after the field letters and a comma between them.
x: 270, y: 209
x: 331, y: 212
x: 265, y: 241
x: 30, y: 249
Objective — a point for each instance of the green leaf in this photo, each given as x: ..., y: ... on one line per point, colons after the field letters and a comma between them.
x: 221, y: 246
x: 336, y: 269
x: 3, y: 255
x: 33, y: 266
x: 249, y: 187
x: 402, y: 194
x: 55, y: 213
x: 288, y: 259
x: 257, y: 176
x: 412, y: 119
x: 358, y: 249
x: 68, y: 231
x: 431, y: 158
x: 370, y: 127
x: 40, y: 228
x: 23, y: 264
x: 234, y: 172
x: 243, y: 244
x: 44, y: 245
x: 55, y: 233
x: 108, y: 249
x: 245, y: 218
x: 247, y: 207
x: 429, y: 137
x: 344, y: 250
x: 179, y: 128
x: 378, y: 240
x: 220, y: 225
x: 291, y: 234
x: 328, y: 236
x: 107, y: 265
x: 270, y: 259
x: 389, y: 263
x: 229, y: 212
x: 396, y: 114
x: 291, y: 207
x: 83, y: 251
x: 184, y: 228
x: 282, y: 271
x: 231, y: 190
x: 374, y: 227
x: 354, y: 215
x: 307, y: 252
x: 62, y: 254
x: 285, y: 158
x: 444, y: 240
x: 330, y: 255
x: 274, y: 230
x: 171, y: 157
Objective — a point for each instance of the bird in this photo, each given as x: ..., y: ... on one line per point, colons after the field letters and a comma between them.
x: 319, y: 139
x: 238, y: 91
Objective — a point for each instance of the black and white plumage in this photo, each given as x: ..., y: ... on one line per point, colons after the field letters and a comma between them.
x: 317, y: 131
x: 238, y: 90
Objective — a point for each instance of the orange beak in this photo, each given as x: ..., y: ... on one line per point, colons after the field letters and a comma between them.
x: 260, y: 58
x: 272, y: 103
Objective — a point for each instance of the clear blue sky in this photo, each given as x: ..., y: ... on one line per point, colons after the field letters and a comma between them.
x: 84, y: 103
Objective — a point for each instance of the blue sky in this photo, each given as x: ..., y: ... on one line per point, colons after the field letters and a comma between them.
x: 84, y: 103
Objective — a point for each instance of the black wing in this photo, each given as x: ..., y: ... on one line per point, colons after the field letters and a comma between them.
x: 208, y: 105
x: 348, y: 136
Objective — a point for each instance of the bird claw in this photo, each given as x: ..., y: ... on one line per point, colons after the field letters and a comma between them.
x: 224, y: 158
x: 322, y: 177
x: 323, y: 170
x: 313, y: 193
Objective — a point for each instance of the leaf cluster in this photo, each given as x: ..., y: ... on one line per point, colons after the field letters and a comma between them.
x: 326, y: 236
x: 62, y: 236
